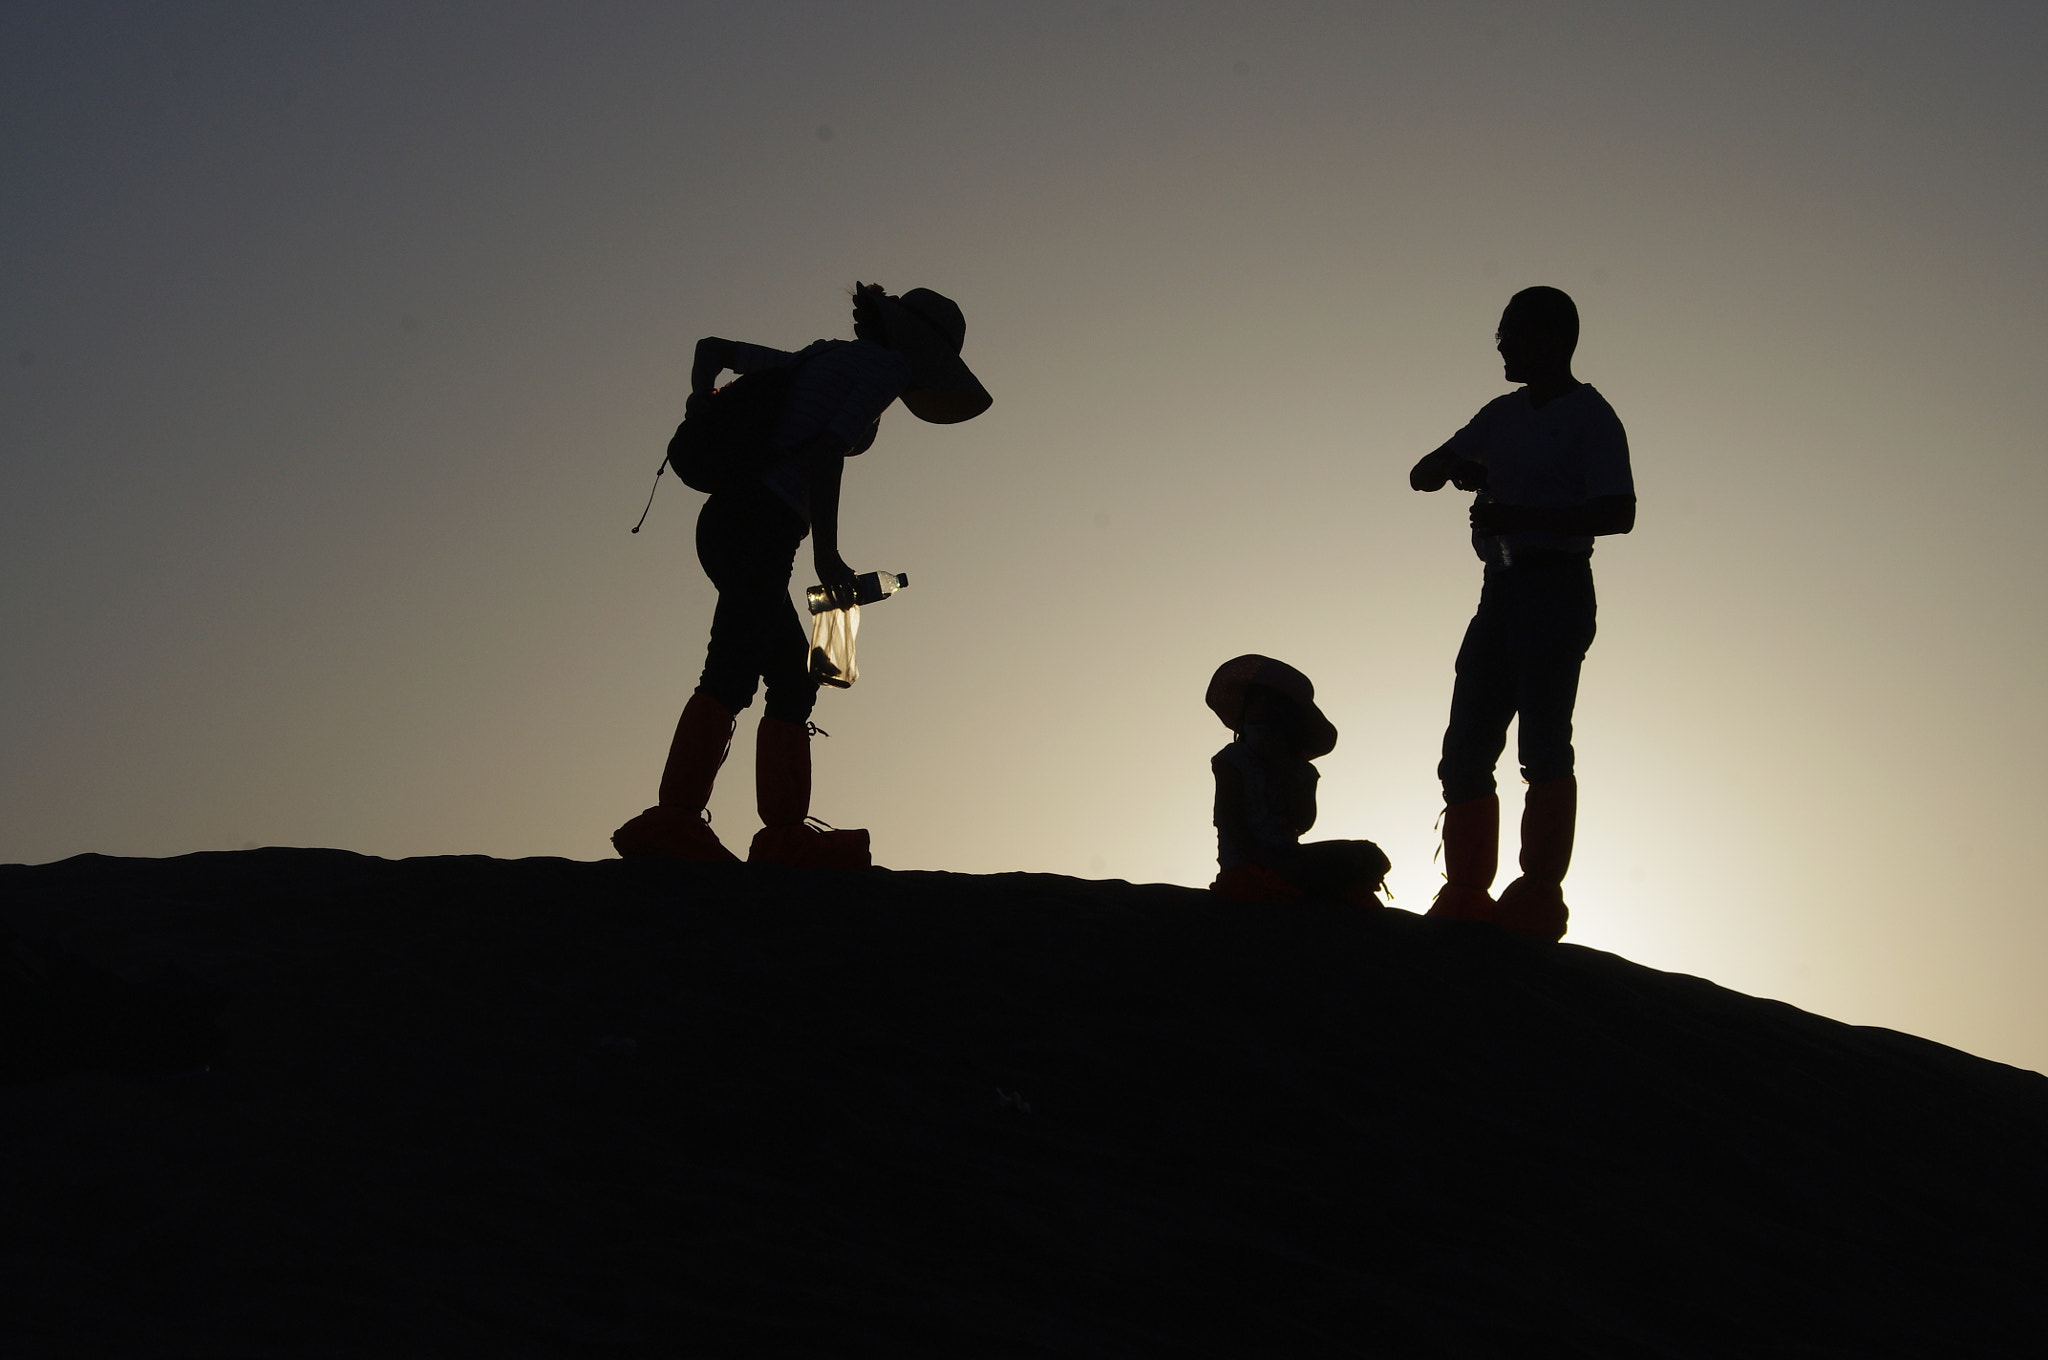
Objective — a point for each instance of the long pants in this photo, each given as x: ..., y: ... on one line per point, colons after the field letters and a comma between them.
x: 1520, y: 658
x: 747, y: 542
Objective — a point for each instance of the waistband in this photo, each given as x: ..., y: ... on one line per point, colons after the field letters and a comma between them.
x: 1542, y: 559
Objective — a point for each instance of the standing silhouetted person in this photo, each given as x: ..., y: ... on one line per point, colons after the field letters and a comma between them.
x: 906, y: 347
x: 1550, y: 464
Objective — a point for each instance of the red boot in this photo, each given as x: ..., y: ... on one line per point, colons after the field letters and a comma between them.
x: 675, y: 827
x: 1471, y: 858
x: 1534, y: 903
x: 782, y: 792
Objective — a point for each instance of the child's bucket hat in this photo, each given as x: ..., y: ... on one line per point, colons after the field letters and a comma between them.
x: 929, y: 330
x: 1235, y: 677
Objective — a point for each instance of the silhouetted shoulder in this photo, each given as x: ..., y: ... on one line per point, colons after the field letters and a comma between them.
x: 1511, y: 421
x: 1598, y: 443
x: 1590, y: 405
x: 1473, y: 440
x: 843, y: 388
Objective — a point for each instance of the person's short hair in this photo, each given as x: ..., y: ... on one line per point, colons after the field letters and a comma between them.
x: 1548, y: 309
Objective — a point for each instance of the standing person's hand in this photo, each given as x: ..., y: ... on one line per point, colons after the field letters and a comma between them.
x: 1467, y: 475
x: 1435, y: 469
x: 1428, y: 474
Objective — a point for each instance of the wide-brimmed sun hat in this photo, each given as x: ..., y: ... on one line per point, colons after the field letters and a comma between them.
x: 1234, y: 679
x: 930, y: 330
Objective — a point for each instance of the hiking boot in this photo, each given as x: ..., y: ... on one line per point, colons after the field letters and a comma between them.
x: 1533, y: 904
x: 671, y: 833
x: 1461, y: 902
x: 1471, y: 858
x: 810, y: 846
x: 675, y: 827
x: 782, y: 794
x: 1535, y: 909
x: 695, y: 753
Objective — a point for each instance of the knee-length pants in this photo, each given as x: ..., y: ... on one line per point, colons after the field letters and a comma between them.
x: 747, y: 542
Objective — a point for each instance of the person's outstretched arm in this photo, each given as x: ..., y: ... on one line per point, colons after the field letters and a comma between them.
x: 828, y: 465
x: 1447, y: 465
x: 1601, y: 515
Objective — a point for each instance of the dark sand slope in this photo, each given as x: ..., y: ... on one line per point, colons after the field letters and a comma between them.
x: 472, y: 1107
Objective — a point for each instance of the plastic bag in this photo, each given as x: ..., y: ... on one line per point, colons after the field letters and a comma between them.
x: 832, y: 633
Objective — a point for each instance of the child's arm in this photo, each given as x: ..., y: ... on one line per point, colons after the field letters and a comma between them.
x: 1229, y: 816
x: 1304, y: 811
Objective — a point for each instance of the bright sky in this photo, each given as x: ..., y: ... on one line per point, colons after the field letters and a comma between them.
x: 339, y: 344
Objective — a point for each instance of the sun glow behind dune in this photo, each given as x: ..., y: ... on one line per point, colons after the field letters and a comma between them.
x: 353, y: 344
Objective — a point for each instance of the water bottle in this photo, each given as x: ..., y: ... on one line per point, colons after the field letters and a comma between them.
x: 867, y: 588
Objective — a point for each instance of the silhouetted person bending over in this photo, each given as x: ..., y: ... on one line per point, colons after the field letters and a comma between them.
x: 1550, y: 464
x: 906, y: 347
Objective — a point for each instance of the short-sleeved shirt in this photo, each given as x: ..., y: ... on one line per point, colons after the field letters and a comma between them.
x: 843, y: 388
x: 1572, y: 451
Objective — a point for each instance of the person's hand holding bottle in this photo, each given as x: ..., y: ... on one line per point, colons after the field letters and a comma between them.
x: 834, y: 575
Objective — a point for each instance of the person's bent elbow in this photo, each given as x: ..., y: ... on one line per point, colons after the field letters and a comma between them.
x: 1617, y: 514
x: 712, y: 358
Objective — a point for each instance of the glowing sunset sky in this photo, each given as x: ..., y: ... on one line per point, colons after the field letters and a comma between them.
x: 338, y: 346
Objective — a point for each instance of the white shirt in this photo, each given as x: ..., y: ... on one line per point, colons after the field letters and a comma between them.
x: 1572, y: 451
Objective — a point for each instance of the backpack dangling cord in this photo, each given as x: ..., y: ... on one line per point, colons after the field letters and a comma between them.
x: 650, y: 494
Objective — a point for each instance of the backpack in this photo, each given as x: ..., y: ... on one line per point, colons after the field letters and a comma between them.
x: 722, y: 444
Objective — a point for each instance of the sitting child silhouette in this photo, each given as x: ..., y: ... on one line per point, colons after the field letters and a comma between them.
x: 1266, y: 793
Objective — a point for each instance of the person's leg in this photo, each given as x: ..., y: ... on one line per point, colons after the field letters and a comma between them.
x: 747, y: 542
x: 703, y: 736
x: 1471, y: 850
x: 782, y: 783
x: 1482, y: 705
x: 739, y: 542
x: 675, y: 827
x: 786, y: 667
x: 771, y: 638
x: 782, y: 778
x: 1562, y: 625
x: 1562, y: 619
